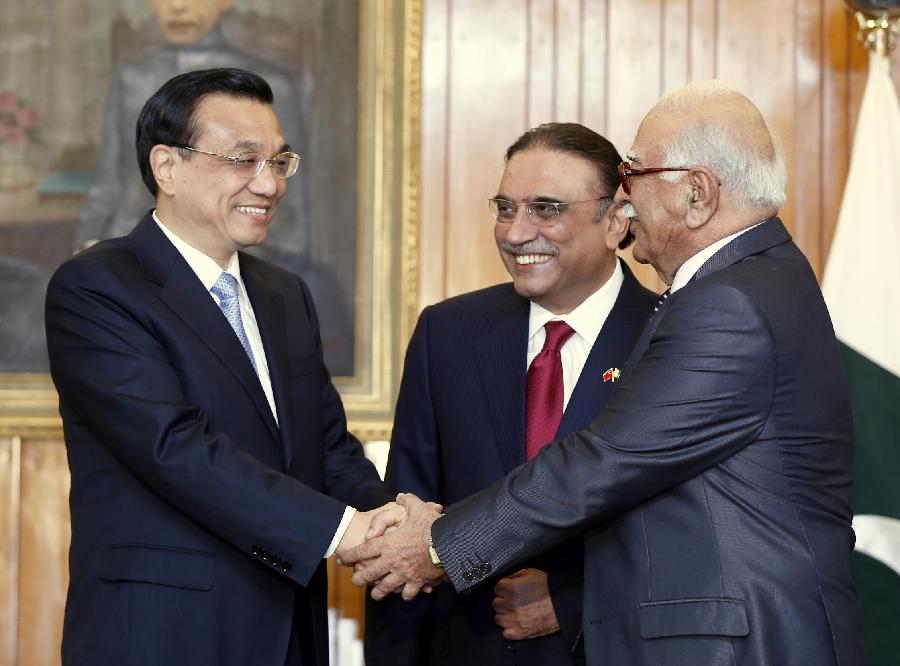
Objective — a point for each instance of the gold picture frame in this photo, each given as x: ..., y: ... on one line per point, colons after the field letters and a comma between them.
x: 387, y: 224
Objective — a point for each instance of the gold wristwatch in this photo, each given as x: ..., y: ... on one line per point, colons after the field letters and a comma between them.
x: 435, y: 558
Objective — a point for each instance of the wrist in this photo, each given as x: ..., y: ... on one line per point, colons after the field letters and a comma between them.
x: 432, y: 552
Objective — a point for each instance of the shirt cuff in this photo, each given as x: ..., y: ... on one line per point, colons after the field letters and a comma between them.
x: 349, y: 512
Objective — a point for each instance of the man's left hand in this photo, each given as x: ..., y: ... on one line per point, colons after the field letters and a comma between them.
x: 523, y: 606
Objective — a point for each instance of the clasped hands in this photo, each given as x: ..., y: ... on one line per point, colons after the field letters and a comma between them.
x: 388, y: 548
x: 392, y: 554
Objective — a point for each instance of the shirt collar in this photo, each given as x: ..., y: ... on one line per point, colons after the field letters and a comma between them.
x: 689, y: 268
x: 588, y: 318
x: 204, y: 266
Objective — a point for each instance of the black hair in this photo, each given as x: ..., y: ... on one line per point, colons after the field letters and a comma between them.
x: 168, y: 117
x: 577, y: 140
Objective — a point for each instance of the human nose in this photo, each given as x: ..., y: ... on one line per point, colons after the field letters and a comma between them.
x: 265, y: 182
x: 521, y: 229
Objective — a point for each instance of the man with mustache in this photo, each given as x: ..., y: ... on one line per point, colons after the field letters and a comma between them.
x: 713, y: 490
x: 471, y: 409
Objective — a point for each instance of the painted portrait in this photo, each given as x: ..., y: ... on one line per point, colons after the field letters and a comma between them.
x: 68, y: 174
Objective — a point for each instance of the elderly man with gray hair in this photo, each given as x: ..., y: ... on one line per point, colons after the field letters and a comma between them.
x: 713, y: 490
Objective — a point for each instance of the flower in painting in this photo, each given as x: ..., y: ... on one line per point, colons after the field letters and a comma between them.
x: 18, y: 120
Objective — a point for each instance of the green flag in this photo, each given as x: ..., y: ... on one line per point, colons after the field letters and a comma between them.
x: 861, y: 284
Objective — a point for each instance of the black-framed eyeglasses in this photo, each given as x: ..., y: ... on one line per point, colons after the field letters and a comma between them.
x: 627, y: 172
x: 540, y: 213
x: 250, y: 164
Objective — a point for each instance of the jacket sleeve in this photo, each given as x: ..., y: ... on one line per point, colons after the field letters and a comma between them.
x: 396, y: 631
x: 700, y: 393
x: 349, y: 476
x: 117, y: 381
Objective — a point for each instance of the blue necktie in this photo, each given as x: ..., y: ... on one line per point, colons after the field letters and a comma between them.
x: 226, y: 288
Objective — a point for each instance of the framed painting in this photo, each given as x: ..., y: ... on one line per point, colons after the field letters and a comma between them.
x: 346, y: 80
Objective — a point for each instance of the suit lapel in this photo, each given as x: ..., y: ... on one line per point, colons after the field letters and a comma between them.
x: 611, y: 348
x: 183, y: 292
x: 501, y: 353
x: 268, y: 306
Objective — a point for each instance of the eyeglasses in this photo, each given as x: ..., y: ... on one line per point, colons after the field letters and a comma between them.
x: 250, y: 164
x: 627, y: 172
x: 540, y: 213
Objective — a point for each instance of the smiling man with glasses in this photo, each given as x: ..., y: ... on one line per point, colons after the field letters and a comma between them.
x: 713, y: 490
x: 212, y: 470
x: 472, y: 405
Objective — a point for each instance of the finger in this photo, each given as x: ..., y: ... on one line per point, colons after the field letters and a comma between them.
x: 385, y: 586
x: 410, y: 591
x: 364, y: 551
x: 435, y: 506
x: 512, y: 634
x: 501, y: 587
x: 372, y: 572
x: 500, y: 605
x: 408, y: 500
x: 387, y: 517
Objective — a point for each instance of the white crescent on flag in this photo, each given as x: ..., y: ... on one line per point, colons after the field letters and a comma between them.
x: 879, y: 538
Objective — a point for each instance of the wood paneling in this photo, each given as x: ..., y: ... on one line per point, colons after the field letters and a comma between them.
x: 43, y: 550
x: 494, y: 68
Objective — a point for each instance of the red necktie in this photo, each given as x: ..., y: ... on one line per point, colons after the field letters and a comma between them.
x: 544, y: 390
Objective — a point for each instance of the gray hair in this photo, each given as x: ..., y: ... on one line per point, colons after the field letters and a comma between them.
x: 754, y: 178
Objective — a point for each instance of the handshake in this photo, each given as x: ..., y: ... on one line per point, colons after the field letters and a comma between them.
x: 388, y: 548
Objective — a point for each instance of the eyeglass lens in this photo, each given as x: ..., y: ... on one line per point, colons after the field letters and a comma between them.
x: 537, y: 211
x: 250, y: 165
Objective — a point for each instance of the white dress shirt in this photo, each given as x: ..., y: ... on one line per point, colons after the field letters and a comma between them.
x: 208, y: 271
x: 586, y: 320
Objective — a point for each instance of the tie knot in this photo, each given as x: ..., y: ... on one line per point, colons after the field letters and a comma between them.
x: 225, y: 287
x: 557, y: 334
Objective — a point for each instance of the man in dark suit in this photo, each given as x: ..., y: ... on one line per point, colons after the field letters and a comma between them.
x: 211, y: 464
x: 714, y: 488
x: 461, y: 414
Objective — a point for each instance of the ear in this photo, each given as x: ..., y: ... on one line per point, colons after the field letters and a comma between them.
x: 617, y: 226
x: 703, y: 197
x: 162, y: 161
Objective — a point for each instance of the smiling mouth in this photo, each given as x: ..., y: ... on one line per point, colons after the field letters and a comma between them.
x: 253, y: 210
x: 526, y: 259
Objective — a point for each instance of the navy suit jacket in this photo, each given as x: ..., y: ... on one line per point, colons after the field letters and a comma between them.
x: 459, y: 426
x: 721, y: 470
x: 198, y: 523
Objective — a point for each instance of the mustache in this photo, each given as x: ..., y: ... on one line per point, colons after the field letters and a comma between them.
x: 626, y: 209
x: 537, y: 246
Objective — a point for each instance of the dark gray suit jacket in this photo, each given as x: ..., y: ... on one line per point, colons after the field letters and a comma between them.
x: 721, y: 471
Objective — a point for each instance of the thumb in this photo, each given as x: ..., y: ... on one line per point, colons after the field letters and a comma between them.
x: 389, y: 516
x: 364, y: 551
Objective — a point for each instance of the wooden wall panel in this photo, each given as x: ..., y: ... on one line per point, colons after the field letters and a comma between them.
x: 9, y: 547
x: 44, y: 547
x: 605, y: 62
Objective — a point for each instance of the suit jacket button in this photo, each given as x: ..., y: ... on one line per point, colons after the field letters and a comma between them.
x: 467, y: 576
x: 255, y: 551
x: 276, y: 561
x: 486, y: 567
x: 287, y: 566
x: 265, y: 556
